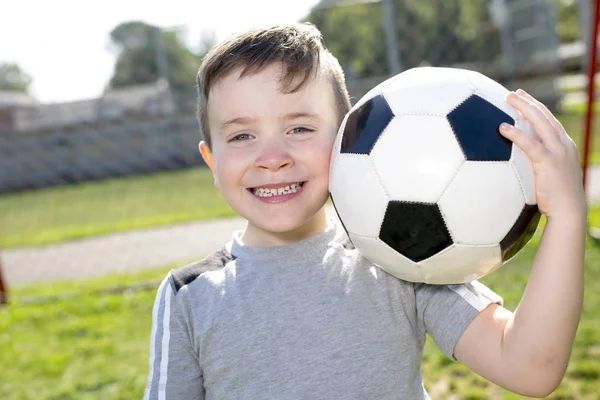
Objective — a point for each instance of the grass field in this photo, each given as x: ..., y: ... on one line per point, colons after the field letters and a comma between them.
x: 57, y: 214
x: 89, y: 340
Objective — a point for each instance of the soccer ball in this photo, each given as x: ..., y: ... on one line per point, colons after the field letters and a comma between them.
x: 424, y: 184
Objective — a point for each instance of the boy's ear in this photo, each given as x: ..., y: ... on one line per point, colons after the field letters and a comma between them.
x: 208, y: 159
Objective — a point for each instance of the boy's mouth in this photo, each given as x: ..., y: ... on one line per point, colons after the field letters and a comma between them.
x: 277, y: 191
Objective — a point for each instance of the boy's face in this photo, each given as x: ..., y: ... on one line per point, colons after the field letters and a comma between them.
x: 270, y: 153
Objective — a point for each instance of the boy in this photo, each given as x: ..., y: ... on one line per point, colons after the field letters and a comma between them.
x: 288, y: 309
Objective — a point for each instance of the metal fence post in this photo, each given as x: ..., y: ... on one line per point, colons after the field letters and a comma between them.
x: 388, y: 17
x: 585, y: 19
x: 499, y: 11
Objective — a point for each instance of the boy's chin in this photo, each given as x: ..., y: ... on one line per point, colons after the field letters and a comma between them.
x: 285, y: 231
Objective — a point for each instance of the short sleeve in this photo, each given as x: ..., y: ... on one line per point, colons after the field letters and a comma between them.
x: 445, y: 311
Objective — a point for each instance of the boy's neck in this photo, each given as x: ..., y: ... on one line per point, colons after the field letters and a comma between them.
x: 253, y: 236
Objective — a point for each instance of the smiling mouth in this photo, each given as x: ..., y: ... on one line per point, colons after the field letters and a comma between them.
x: 270, y: 192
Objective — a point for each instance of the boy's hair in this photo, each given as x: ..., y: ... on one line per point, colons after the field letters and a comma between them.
x: 298, y: 47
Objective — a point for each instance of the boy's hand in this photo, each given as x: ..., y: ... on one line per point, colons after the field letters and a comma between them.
x: 554, y: 157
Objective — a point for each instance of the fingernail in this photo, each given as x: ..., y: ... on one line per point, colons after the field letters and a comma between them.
x: 505, y: 127
x: 512, y: 95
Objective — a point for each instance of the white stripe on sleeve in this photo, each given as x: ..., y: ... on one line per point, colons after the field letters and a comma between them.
x: 476, y: 294
x: 152, y: 358
x: 164, y: 361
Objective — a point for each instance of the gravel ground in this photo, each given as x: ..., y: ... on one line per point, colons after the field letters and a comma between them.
x: 135, y: 250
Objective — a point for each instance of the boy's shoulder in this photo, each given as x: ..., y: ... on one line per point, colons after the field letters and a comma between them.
x: 185, y: 275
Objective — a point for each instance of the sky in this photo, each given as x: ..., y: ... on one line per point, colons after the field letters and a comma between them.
x: 64, y: 44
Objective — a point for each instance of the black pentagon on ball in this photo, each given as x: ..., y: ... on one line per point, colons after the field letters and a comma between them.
x: 475, y: 124
x: 521, y: 232
x: 364, y: 126
x: 415, y: 230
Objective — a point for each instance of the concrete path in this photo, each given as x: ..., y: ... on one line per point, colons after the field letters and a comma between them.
x: 119, y: 252
x: 135, y: 250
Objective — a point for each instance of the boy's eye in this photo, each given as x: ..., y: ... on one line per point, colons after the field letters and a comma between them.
x: 301, y: 129
x: 242, y: 136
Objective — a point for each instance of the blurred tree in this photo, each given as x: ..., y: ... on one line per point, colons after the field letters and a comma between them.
x: 147, y: 52
x: 428, y: 32
x: 355, y: 35
x: 568, y: 21
x: 13, y: 78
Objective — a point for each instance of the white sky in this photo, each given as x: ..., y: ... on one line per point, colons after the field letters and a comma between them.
x: 64, y: 44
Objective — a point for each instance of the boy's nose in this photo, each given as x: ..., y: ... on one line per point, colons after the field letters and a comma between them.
x: 274, y: 157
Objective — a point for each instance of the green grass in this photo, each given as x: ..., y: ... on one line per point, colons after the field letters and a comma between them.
x: 52, y: 215
x: 594, y: 215
x: 77, y: 340
x: 571, y: 89
x: 89, y: 339
x: 574, y: 125
x: 57, y: 214
x: 579, y: 109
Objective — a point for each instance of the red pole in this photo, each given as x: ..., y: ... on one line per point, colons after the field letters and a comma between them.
x: 591, y: 90
x: 3, y: 290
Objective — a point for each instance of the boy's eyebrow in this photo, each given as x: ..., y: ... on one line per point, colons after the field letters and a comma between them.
x: 237, y: 121
x: 296, y: 115
x: 287, y: 117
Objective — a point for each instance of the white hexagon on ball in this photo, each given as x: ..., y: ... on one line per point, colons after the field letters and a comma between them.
x: 387, y: 258
x: 456, y: 264
x: 409, y: 95
x: 522, y: 164
x: 358, y: 197
x: 426, y: 156
x: 482, y: 203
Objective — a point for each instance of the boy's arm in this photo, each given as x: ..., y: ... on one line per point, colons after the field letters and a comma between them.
x: 528, y: 352
x: 174, y: 367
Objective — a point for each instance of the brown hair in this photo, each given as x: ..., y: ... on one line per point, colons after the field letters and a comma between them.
x: 298, y: 47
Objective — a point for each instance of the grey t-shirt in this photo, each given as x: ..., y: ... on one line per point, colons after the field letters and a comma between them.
x: 311, y: 320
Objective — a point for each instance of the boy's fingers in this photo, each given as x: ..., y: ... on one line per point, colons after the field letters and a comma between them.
x: 534, y: 149
x: 561, y: 132
x: 540, y: 122
x: 555, y: 122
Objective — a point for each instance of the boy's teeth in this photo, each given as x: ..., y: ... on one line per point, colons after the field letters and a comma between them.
x: 261, y: 192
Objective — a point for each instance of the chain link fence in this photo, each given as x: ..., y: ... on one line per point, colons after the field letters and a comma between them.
x: 146, y: 129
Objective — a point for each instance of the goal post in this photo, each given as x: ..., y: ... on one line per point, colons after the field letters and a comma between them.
x: 3, y: 287
x: 591, y: 92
